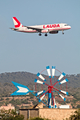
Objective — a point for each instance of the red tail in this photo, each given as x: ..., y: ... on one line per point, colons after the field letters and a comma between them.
x: 16, y: 22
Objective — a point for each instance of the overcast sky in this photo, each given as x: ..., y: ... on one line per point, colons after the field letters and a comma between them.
x: 32, y: 53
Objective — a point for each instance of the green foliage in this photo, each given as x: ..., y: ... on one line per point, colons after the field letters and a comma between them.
x: 25, y: 101
x: 38, y: 118
x: 6, y: 103
x: 1, y: 99
x: 10, y: 115
x: 31, y: 95
x: 14, y: 102
x: 76, y: 116
x: 17, y: 117
x: 67, y: 101
x: 78, y: 106
x: 7, y: 98
x: 34, y: 102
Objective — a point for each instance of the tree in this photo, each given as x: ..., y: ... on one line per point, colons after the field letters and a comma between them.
x: 39, y: 118
x: 78, y: 106
x: 76, y: 116
x: 10, y: 115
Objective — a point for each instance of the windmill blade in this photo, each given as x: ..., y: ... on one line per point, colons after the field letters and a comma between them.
x: 21, y: 89
x: 38, y: 81
x: 48, y: 71
x: 64, y: 92
x: 53, y: 71
x: 64, y: 81
x: 62, y: 97
x: 61, y: 76
x: 45, y: 100
x: 41, y: 77
x: 55, y: 106
x: 41, y: 98
x: 40, y: 92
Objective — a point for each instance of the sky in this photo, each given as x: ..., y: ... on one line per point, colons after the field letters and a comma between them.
x: 32, y: 53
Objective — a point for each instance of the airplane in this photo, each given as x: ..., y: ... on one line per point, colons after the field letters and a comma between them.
x: 48, y: 28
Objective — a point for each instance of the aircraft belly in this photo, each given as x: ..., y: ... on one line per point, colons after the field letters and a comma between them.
x: 58, y: 29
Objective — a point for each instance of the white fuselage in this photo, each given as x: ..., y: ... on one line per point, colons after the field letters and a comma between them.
x: 48, y: 28
x: 44, y: 28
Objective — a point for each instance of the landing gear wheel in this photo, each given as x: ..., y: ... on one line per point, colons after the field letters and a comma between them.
x: 39, y: 34
x: 46, y: 34
x: 62, y: 32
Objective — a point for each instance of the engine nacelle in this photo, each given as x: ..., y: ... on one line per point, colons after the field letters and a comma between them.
x: 53, y: 32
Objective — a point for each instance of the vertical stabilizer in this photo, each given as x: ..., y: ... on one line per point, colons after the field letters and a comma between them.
x: 17, y: 22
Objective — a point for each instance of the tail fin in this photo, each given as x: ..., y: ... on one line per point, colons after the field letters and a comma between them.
x: 21, y: 89
x: 16, y: 22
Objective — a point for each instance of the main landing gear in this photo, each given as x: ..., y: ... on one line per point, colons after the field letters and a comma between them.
x: 41, y: 34
x: 62, y: 32
x: 46, y: 34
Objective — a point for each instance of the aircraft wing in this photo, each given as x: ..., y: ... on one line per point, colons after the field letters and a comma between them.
x: 37, y: 29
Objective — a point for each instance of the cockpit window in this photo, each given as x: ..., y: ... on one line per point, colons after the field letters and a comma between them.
x: 66, y: 25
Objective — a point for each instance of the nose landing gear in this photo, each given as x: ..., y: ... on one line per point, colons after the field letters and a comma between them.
x: 62, y: 32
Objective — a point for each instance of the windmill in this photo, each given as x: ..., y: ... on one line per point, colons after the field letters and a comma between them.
x: 49, y: 91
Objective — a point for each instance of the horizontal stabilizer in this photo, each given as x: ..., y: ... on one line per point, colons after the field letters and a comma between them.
x: 14, y: 29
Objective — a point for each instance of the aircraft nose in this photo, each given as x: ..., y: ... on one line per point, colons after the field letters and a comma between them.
x: 70, y: 27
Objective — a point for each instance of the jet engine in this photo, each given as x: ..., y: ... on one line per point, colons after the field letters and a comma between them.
x: 53, y: 32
